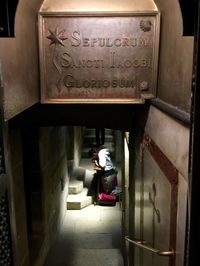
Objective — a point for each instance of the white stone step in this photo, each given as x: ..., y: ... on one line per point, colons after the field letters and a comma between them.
x: 79, y: 201
x: 75, y: 186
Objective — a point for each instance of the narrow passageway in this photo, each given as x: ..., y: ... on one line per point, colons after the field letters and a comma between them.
x: 88, y: 237
x: 92, y: 234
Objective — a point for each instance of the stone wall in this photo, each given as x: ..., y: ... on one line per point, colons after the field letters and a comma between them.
x: 16, y: 195
x: 175, y: 64
x: 38, y: 170
x: 162, y: 142
x: 20, y: 61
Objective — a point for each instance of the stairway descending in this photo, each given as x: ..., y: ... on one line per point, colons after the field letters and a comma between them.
x: 78, y: 193
x: 90, y: 235
x: 82, y: 176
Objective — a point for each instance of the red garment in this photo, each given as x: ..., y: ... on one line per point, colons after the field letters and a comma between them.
x: 103, y: 196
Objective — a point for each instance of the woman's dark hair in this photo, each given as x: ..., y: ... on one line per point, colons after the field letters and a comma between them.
x: 91, y: 152
x: 94, y: 150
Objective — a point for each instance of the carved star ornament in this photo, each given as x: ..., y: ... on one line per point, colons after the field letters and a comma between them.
x: 56, y: 37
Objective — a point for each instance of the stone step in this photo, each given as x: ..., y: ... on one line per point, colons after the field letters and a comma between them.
x: 89, y: 171
x: 91, y: 131
x: 93, y: 257
x: 87, y: 164
x: 92, y: 138
x: 75, y: 186
x: 78, y: 173
x: 79, y: 201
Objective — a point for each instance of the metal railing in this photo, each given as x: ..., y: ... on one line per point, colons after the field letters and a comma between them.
x: 143, y: 244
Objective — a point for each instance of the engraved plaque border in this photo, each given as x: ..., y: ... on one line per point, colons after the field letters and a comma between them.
x: 111, y: 100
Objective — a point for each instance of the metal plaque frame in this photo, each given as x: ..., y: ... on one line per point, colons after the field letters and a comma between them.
x: 98, y: 58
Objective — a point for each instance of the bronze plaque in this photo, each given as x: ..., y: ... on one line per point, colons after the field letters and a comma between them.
x: 98, y: 59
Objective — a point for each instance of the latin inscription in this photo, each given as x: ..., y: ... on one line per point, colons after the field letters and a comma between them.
x: 99, y: 57
x: 77, y: 40
x: 71, y: 82
x: 68, y: 61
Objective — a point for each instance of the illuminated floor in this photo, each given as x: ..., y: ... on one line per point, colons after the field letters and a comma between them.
x: 89, y: 237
